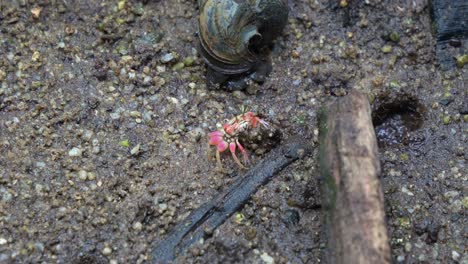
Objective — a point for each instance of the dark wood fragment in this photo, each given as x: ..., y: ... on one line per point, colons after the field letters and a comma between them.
x: 451, y: 28
x: 353, y: 199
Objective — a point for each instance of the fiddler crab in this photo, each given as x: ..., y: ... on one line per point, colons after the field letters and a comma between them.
x: 227, y: 136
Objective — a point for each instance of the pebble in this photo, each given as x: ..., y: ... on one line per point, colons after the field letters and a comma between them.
x: 401, y: 258
x: 91, y: 176
x: 386, y: 49
x: 137, y: 226
x: 135, y: 114
x: 106, y: 251
x: 3, y: 241
x: 239, y: 95
x: 406, y: 191
x: 87, y: 135
x: 75, y: 152
x: 39, y: 246
x: 456, y: 206
x: 451, y: 194
x: 455, y: 255
x: 168, y: 57
x: 82, y: 175
x: 162, y: 207
x: 115, y: 115
x: 267, y: 258
x: 135, y: 150
x: 408, y: 247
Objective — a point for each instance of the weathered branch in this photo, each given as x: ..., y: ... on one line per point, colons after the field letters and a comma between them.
x: 203, y: 221
x: 355, y: 219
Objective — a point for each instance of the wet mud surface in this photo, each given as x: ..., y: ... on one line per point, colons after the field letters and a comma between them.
x: 104, y: 116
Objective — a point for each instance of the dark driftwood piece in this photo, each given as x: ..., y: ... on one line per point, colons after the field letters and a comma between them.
x: 451, y: 29
x: 355, y: 218
x: 203, y: 221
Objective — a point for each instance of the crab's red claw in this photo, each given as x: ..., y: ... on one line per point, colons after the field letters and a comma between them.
x: 232, y: 148
x: 244, y: 152
x: 216, y: 133
x: 215, y: 140
x: 222, y: 146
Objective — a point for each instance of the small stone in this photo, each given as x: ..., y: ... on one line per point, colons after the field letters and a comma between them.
x: 162, y: 207
x: 406, y: 191
x: 96, y: 150
x: 39, y: 246
x: 401, y: 258
x: 168, y: 57
x: 267, y: 258
x: 465, y: 202
x: 297, y: 82
x: 36, y: 12
x: 455, y: 255
x: 82, y: 175
x: 422, y: 257
x: 189, y: 61
x: 3, y: 241
x: 75, y: 152
x: 451, y: 194
x: 36, y: 55
x: 456, y: 206
x: 121, y: 5
x: 91, y: 176
x: 239, y: 95
x: 408, y: 247
x: 462, y: 60
x: 238, y: 218
x: 446, y: 120
x: 135, y: 114
x: 106, y: 251
x: 115, y: 116
x: 178, y: 66
x: 386, y: 49
x: 394, y: 36
x: 87, y: 135
x: 137, y: 226
x: 135, y: 150
x: 124, y: 143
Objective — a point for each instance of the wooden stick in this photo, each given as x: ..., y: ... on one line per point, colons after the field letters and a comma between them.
x: 355, y: 217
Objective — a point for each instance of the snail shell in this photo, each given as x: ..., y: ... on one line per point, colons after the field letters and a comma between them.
x: 236, y: 35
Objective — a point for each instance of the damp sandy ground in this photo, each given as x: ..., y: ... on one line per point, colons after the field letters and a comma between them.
x: 104, y: 114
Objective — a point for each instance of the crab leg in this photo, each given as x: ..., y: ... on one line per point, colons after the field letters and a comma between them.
x: 232, y: 148
x: 244, y: 152
x: 221, y: 146
x: 264, y: 123
x: 208, y: 152
x: 218, y: 161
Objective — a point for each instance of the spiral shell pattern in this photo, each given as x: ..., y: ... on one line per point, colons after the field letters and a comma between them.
x: 234, y: 33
